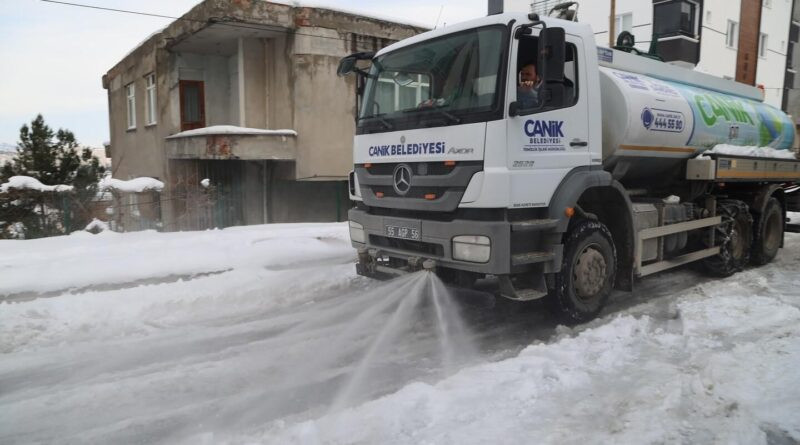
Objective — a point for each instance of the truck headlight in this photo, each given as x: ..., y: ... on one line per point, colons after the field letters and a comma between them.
x: 472, y: 248
x: 357, y: 233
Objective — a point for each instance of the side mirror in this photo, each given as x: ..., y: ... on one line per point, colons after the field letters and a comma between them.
x: 551, y: 56
x: 348, y: 64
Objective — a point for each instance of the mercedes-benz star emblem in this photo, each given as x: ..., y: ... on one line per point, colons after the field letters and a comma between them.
x: 402, y: 179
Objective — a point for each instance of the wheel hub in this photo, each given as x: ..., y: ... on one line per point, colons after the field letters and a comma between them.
x: 590, y: 273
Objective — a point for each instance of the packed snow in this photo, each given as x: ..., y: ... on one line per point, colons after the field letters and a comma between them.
x: 759, y: 152
x: 29, y: 183
x: 136, y: 185
x: 265, y: 334
x: 230, y: 129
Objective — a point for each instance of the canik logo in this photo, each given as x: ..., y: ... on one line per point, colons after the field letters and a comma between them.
x: 402, y: 179
x: 538, y: 128
x: 647, y: 118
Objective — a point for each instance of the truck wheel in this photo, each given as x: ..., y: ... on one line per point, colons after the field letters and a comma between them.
x: 587, y: 274
x: 768, y: 233
x: 734, y: 237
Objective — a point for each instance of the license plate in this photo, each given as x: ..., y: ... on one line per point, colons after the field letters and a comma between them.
x: 402, y: 229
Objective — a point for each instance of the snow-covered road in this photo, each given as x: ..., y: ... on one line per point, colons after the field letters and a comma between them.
x: 265, y: 334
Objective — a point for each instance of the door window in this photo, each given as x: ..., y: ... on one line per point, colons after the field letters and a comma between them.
x: 193, y: 113
x: 533, y: 95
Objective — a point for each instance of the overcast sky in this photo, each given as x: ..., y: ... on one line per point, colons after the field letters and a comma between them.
x: 54, y: 56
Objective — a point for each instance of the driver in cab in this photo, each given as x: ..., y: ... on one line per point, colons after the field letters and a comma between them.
x: 528, y: 88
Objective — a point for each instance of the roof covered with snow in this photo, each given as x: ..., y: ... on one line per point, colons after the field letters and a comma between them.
x: 232, y: 130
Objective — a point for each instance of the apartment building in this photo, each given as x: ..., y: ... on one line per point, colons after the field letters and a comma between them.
x: 744, y: 40
x: 237, y: 108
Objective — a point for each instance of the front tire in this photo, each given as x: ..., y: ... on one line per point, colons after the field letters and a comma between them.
x: 587, y: 274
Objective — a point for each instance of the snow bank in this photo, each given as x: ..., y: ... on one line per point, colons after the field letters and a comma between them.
x: 66, y: 262
x: 28, y: 183
x: 96, y: 225
x: 136, y: 185
x: 230, y: 129
x: 760, y: 152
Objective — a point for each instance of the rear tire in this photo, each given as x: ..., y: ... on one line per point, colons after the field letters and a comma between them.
x: 587, y: 274
x: 768, y: 233
x: 734, y: 237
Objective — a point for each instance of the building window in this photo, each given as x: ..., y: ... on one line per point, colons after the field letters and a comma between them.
x: 391, y: 95
x: 624, y: 22
x: 732, y: 36
x: 130, y: 92
x: 762, y: 45
x: 676, y: 17
x: 150, y: 99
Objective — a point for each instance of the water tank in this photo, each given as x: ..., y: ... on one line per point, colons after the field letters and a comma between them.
x: 650, y: 125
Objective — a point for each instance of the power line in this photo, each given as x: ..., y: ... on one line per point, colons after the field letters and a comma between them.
x: 217, y: 21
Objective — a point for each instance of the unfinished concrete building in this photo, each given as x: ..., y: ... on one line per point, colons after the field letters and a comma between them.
x: 237, y: 108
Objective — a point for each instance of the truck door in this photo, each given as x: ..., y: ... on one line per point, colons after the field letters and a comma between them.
x: 547, y: 137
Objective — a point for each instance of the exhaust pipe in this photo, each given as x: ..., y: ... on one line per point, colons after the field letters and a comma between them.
x: 496, y: 7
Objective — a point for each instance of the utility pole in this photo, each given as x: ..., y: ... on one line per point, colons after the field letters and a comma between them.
x: 612, y: 19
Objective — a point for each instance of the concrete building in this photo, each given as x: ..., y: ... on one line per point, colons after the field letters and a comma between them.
x: 791, y: 96
x: 745, y: 40
x: 243, y: 93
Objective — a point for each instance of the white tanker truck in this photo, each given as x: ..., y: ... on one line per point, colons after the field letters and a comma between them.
x: 613, y: 172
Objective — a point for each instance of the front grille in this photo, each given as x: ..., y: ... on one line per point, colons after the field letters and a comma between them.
x: 407, y: 245
x: 418, y: 168
x: 447, y: 182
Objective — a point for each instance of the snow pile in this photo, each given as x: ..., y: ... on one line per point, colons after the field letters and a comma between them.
x: 137, y: 185
x: 230, y: 129
x: 205, y: 183
x: 59, y: 264
x: 28, y: 183
x: 96, y: 226
x: 759, y: 152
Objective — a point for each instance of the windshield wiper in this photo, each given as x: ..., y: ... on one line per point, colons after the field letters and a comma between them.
x: 450, y: 116
x: 386, y: 124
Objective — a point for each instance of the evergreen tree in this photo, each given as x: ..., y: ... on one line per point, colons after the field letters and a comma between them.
x: 52, y: 158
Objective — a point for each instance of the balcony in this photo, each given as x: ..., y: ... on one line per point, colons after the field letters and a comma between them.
x: 229, y: 142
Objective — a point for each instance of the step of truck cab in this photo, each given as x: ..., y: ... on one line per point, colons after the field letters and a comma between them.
x: 534, y: 225
x: 531, y: 258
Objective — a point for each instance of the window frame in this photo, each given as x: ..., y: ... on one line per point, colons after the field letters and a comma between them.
x: 150, y: 99
x: 763, y: 42
x: 130, y: 101
x: 619, y: 22
x: 732, y: 35
x: 576, y: 85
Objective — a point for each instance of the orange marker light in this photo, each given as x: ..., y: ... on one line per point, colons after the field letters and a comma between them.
x: 450, y: 163
x: 570, y: 212
x: 430, y: 196
x: 367, y: 165
x: 379, y: 194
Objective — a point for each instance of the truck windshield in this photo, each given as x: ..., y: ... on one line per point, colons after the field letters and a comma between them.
x: 443, y: 81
